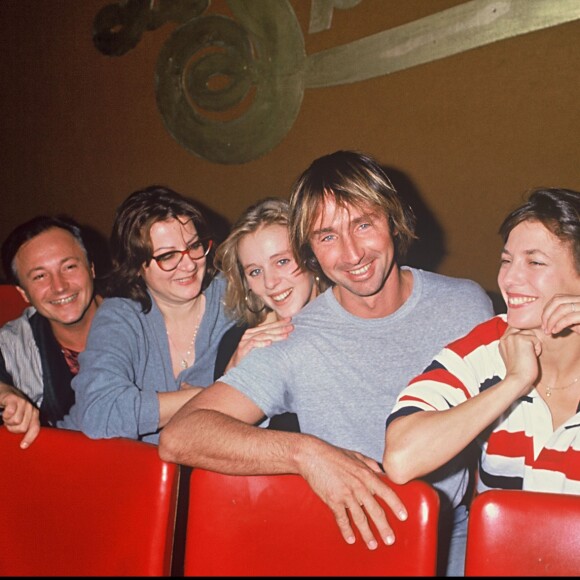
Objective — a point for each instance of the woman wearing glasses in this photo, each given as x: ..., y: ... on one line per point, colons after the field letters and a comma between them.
x: 160, y: 325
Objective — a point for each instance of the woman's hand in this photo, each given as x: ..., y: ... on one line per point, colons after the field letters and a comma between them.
x: 259, y: 336
x: 561, y: 312
x: 520, y: 350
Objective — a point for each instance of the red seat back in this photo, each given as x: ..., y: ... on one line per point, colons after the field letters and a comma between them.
x: 74, y: 506
x: 11, y: 303
x: 523, y: 533
x: 275, y: 525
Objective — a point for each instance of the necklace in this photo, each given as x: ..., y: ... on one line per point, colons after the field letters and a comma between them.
x: 549, y: 389
x: 184, y: 363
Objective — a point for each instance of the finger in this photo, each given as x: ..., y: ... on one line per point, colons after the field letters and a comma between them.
x: 282, y: 323
x: 389, y: 496
x: 549, y: 310
x: 261, y: 343
x: 14, y: 413
x: 559, y: 307
x: 565, y: 316
x: 20, y: 420
x: 276, y: 331
x: 360, y: 520
x: 262, y: 336
x: 8, y: 411
x: 279, y: 337
x: 31, y: 434
x: 377, y: 514
x: 343, y: 523
x: 538, y: 346
x: 371, y: 463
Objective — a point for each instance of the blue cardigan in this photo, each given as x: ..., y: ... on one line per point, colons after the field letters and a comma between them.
x: 127, y: 362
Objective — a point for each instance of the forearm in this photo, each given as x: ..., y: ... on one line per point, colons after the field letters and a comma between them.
x: 227, y: 441
x: 417, y: 444
x: 170, y: 403
x: 215, y: 441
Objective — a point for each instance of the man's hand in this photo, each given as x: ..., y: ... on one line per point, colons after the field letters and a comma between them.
x: 348, y: 482
x: 19, y: 415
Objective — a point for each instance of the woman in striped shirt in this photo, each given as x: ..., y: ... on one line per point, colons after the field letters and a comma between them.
x: 513, y: 383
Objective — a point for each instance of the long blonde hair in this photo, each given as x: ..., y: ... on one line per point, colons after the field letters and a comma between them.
x: 240, y: 302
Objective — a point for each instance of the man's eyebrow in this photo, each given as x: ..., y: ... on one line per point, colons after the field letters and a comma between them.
x: 60, y: 263
x: 321, y: 231
x: 365, y: 216
x: 35, y: 269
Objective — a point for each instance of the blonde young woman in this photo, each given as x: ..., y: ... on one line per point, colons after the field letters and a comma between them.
x: 265, y: 287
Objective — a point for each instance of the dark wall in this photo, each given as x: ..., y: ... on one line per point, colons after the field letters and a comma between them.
x: 464, y: 136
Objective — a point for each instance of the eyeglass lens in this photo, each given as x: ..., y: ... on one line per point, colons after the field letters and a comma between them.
x: 170, y: 260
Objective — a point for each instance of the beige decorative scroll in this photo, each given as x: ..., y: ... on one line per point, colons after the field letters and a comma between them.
x: 448, y: 32
x: 230, y: 89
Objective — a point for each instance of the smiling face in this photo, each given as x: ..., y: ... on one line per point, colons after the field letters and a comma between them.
x: 355, y: 249
x: 184, y: 283
x: 535, y: 265
x: 55, y: 276
x: 271, y: 271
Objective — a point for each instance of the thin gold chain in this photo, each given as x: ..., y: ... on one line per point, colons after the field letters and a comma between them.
x: 549, y: 388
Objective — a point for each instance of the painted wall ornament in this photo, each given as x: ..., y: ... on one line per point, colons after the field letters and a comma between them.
x: 229, y: 87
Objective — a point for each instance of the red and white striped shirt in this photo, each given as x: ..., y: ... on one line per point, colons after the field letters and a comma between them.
x: 520, y: 450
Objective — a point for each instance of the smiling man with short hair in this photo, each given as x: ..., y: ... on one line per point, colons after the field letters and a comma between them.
x: 47, y: 260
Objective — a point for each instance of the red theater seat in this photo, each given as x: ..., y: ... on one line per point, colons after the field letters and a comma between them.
x: 11, y: 303
x: 74, y: 506
x: 275, y: 525
x: 523, y: 533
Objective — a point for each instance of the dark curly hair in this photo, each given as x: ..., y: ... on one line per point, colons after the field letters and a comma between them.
x: 130, y: 242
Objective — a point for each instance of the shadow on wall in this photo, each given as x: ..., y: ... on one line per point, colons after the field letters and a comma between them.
x: 217, y: 223
x: 428, y: 251
x: 98, y: 249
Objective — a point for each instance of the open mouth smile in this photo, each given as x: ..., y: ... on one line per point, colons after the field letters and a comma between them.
x: 281, y: 296
x: 63, y: 301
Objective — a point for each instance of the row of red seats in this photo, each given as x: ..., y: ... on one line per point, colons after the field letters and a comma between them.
x: 73, y: 506
x: 102, y: 518
x: 78, y: 506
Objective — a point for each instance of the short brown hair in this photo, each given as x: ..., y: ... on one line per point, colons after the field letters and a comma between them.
x: 558, y: 210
